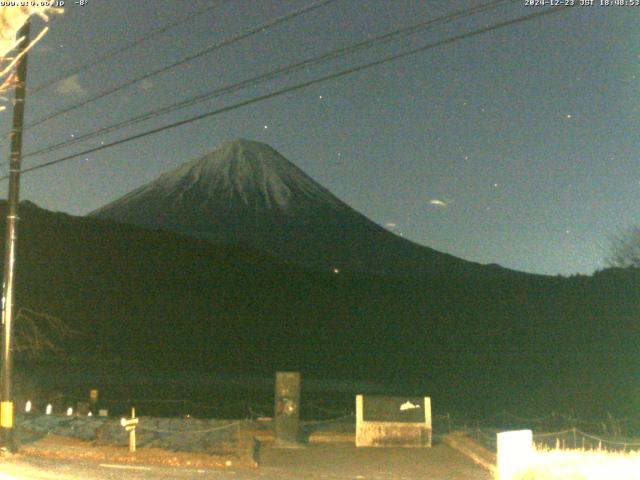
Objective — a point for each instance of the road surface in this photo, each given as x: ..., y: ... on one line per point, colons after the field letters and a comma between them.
x: 329, y: 462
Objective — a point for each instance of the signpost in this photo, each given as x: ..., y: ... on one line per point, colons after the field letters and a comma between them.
x: 130, y: 426
x: 93, y: 400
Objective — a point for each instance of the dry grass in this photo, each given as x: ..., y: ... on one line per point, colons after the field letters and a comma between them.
x: 64, y: 448
x: 559, y: 464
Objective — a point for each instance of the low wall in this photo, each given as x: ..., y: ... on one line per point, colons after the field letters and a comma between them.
x: 480, y: 455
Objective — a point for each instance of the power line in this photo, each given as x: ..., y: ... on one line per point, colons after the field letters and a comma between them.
x: 215, y: 46
x: 124, y: 48
x: 332, y: 55
x: 300, y: 86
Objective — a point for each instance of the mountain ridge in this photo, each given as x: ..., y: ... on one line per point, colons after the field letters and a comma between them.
x: 160, y: 300
x: 247, y: 192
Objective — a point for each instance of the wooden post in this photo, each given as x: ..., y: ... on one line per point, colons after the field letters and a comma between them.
x: 132, y: 432
x: 130, y: 426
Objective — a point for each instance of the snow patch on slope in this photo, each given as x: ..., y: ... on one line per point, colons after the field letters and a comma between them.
x: 239, y: 172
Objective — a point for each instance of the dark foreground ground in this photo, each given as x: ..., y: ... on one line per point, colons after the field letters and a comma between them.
x: 326, y: 461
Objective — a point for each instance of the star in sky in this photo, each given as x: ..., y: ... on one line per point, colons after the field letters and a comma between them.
x: 402, y: 126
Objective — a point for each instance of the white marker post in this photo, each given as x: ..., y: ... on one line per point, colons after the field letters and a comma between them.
x: 130, y: 426
x: 515, y: 451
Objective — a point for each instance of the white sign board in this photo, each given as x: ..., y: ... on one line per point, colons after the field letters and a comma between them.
x: 383, y: 421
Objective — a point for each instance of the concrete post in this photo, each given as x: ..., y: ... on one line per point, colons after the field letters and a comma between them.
x: 515, y: 451
x: 287, y: 409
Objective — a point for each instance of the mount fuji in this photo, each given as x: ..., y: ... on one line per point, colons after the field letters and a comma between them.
x: 245, y: 192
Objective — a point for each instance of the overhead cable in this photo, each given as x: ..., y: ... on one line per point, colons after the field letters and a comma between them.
x: 189, y: 58
x: 332, y: 55
x: 120, y: 50
x: 300, y: 86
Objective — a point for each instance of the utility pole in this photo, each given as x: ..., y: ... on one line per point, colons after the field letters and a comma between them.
x: 6, y: 405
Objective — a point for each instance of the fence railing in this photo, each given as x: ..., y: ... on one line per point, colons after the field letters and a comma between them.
x: 553, y: 429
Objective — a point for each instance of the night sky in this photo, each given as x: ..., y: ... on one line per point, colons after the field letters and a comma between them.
x: 518, y: 146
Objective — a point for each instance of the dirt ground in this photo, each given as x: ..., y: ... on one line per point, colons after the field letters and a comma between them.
x: 314, y: 461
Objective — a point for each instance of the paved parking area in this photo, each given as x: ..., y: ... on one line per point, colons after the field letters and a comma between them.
x: 330, y: 461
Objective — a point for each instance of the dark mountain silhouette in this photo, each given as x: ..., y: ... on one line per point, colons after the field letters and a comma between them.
x: 144, y: 301
x: 247, y: 193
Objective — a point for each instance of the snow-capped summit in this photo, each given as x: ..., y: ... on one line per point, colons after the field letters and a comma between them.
x: 244, y: 173
x: 239, y: 175
x: 246, y: 192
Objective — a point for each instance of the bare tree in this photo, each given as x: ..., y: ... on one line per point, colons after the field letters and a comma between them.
x: 624, y: 250
x: 12, y: 18
x: 38, y: 333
